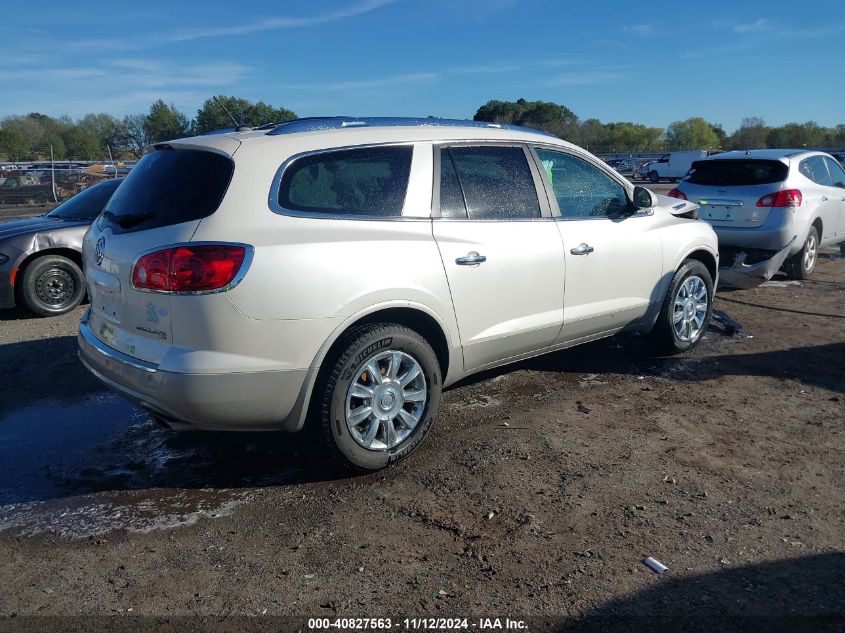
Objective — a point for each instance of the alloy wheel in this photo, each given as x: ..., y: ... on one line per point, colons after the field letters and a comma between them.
x: 386, y: 400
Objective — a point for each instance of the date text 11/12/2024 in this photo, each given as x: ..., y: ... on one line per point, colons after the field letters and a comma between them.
x: 416, y: 624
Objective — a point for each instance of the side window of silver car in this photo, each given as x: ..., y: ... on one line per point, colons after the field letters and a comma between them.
x: 581, y: 189
x: 815, y: 169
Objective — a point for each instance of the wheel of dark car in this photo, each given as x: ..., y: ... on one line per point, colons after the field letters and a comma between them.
x: 803, y: 263
x: 379, y: 397
x: 686, y: 309
x: 52, y: 285
x: 653, y: 176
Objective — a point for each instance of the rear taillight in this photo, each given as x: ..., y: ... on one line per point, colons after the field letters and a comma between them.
x: 188, y: 268
x: 785, y: 198
x: 677, y: 193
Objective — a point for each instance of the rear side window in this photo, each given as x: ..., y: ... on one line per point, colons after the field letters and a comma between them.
x: 368, y: 181
x: 837, y: 174
x: 815, y: 169
x: 169, y: 187
x: 496, y: 183
x: 736, y: 173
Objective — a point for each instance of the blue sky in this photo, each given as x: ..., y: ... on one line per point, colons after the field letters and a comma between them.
x: 782, y: 61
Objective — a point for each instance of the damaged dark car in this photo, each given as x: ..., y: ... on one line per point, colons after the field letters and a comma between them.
x: 40, y: 257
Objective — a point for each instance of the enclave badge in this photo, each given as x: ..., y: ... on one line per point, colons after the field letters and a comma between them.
x: 100, y: 250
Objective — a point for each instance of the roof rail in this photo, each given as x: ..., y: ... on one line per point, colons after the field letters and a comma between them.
x: 315, y: 124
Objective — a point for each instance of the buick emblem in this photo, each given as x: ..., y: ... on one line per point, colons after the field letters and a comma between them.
x: 100, y: 250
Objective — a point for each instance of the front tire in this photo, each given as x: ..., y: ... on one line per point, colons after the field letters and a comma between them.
x: 686, y: 309
x: 653, y: 177
x: 803, y: 263
x: 380, y: 396
x: 52, y: 285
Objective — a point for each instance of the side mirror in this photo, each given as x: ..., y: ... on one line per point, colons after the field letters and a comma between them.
x: 643, y: 199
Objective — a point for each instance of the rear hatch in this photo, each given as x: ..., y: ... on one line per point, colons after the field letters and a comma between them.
x: 161, y: 202
x: 727, y: 190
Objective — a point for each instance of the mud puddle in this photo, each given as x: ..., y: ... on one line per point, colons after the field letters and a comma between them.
x: 99, y: 464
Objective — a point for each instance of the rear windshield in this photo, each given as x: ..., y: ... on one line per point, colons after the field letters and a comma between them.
x: 736, y: 173
x: 169, y: 187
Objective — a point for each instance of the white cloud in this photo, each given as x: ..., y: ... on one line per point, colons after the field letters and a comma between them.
x: 186, y: 34
x: 753, y: 27
x: 641, y: 30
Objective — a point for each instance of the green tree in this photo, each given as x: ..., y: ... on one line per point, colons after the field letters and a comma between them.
x: 808, y: 134
x: 212, y: 116
x: 80, y: 144
x: 540, y: 115
x: 13, y: 146
x: 751, y: 134
x: 109, y: 131
x: 721, y: 135
x: 135, y: 134
x: 165, y: 122
x: 692, y: 133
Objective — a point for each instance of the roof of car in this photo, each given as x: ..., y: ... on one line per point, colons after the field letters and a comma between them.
x: 346, y: 131
x: 760, y: 153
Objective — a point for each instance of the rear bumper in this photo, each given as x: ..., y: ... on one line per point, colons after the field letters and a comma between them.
x: 742, y: 275
x: 775, y: 233
x: 243, y: 401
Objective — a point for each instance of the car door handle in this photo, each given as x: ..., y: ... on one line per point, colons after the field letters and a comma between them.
x: 824, y: 198
x: 471, y: 259
x: 582, y: 249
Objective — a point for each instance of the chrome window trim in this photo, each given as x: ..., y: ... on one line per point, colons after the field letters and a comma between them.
x: 87, y: 333
x: 545, y: 209
x: 238, y: 278
x: 273, y: 197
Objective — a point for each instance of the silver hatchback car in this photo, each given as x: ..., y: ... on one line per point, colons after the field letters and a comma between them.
x: 340, y: 272
x: 770, y: 208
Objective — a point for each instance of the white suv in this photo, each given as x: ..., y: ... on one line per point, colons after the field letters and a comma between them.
x: 341, y: 272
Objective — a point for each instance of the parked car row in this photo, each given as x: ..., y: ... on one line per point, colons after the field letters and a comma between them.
x: 340, y: 272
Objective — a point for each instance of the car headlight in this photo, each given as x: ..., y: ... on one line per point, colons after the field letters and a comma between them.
x: 3, y: 259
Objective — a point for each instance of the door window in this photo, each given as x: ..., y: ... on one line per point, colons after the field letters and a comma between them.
x: 581, y: 189
x: 487, y: 183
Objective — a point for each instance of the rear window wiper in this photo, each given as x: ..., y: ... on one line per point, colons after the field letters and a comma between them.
x: 132, y: 219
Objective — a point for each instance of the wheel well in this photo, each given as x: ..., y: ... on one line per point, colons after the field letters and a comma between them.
x: 818, y: 224
x: 417, y: 320
x: 707, y: 259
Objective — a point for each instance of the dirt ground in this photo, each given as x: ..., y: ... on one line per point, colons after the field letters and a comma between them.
x: 538, y: 493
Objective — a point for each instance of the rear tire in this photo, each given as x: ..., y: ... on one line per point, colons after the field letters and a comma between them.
x: 52, y: 285
x: 803, y: 263
x: 686, y: 309
x: 399, y: 414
